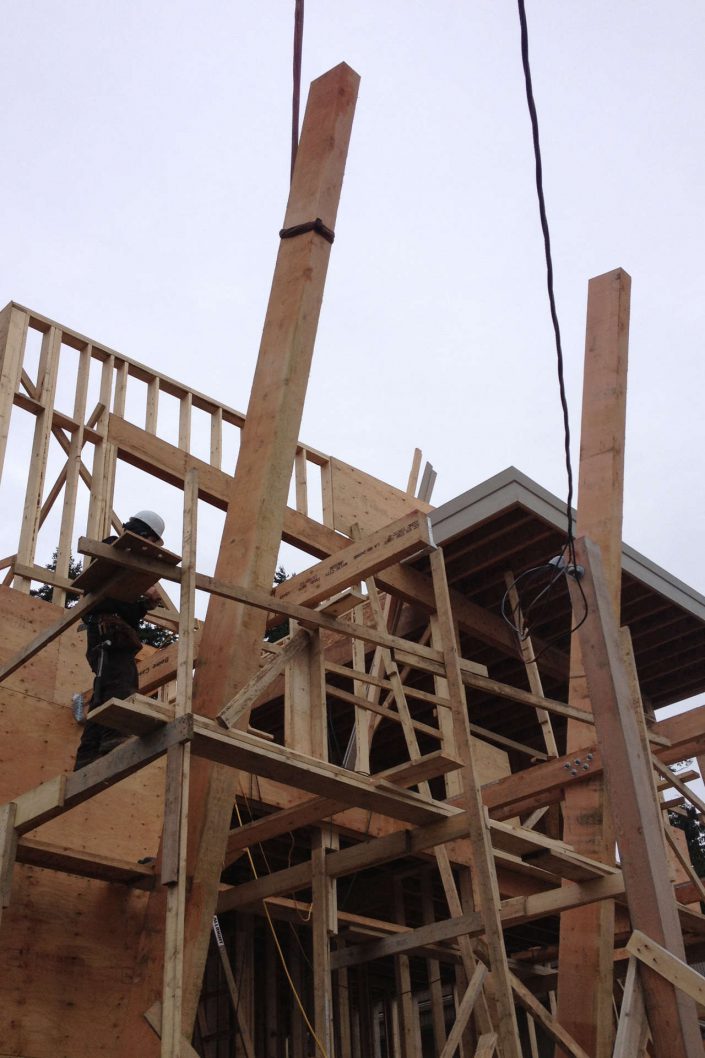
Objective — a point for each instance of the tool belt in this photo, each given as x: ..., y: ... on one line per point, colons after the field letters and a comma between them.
x: 119, y: 633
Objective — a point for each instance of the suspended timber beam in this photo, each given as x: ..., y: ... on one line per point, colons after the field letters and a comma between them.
x: 232, y: 633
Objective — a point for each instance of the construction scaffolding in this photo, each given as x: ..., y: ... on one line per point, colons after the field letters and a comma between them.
x: 402, y: 813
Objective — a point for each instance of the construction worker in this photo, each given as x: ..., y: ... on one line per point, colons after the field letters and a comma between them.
x: 113, y: 643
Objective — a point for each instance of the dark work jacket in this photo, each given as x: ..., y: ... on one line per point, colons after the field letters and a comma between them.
x: 131, y: 612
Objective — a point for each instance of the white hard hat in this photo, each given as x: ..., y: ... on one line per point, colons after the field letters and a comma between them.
x: 153, y: 520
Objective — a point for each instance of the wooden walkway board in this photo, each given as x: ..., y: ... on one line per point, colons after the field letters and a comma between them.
x: 238, y: 749
x: 132, y: 583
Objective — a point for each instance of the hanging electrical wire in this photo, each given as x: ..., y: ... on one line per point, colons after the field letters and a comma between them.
x: 557, y: 566
x: 296, y: 93
x: 554, y: 571
x: 549, y: 265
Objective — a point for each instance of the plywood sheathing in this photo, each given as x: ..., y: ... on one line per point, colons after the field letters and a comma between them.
x: 68, y: 944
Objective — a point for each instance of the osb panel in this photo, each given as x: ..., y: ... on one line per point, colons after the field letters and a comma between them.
x: 66, y: 956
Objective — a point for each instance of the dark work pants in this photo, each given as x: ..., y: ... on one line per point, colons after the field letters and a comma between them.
x: 118, y: 679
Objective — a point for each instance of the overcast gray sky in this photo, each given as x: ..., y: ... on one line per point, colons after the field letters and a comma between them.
x: 145, y: 151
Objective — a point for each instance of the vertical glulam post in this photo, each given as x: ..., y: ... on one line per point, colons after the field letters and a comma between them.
x: 629, y: 784
x: 585, y: 970
x: 305, y: 711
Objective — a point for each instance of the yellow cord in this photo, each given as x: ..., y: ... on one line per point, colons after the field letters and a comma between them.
x: 297, y: 997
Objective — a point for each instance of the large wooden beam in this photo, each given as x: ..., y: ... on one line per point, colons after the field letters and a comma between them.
x: 381, y: 850
x: 513, y: 912
x: 586, y: 936
x: 681, y: 736
x: 628, y: 781
x: 232, y: 633
x: 408, y: 535
x: 169, y: 463
x: 264, y: 600
x: 245, y: 752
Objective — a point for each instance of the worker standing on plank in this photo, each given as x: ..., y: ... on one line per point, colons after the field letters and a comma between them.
x: 113, y: 643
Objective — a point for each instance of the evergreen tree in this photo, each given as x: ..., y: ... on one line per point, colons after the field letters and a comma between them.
x: 155, y: 635
x: 46, y: 591
x: 694, y: 835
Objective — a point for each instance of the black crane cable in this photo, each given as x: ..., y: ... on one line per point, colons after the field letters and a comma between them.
x: 556, y: 567
x: 296, y: 92
x: 549, y: 263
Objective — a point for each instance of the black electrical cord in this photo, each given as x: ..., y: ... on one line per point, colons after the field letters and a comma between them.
x: 558, y: 566
x: 549, y: 265
x: 296, y: 88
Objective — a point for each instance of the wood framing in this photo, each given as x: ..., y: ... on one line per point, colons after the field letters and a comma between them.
x: 398, y: 809
x: 652, y: 906
x: 256, y: 503
x: 585, y: 978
